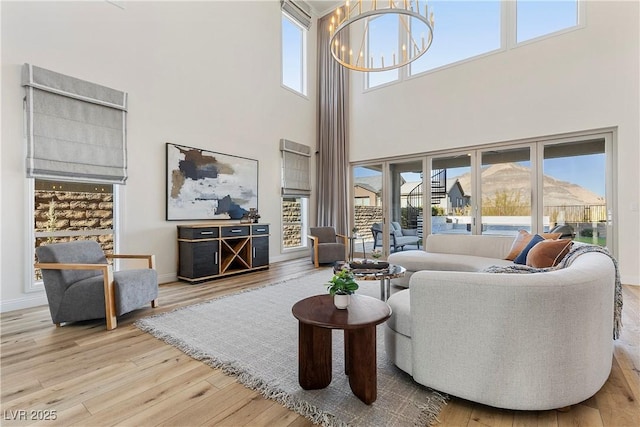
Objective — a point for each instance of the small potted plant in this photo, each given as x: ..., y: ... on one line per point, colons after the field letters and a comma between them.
x: 376, y: 254
x: 341, y: 286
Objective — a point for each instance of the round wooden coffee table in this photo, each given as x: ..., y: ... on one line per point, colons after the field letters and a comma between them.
x: 317, y: 316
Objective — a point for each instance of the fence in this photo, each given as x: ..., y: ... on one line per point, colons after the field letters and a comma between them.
x: 576, y: 213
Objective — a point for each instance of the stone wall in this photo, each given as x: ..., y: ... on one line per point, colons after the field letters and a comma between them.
x: 365, y: 217
x: 291, y: 220
x: 74, y: 211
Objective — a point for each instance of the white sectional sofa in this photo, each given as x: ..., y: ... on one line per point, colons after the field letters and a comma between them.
x: 453, y: 252
x: 533, y: 341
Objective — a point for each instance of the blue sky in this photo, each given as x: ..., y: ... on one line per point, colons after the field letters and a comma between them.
x: 586, y: 171
x: 291, y: 55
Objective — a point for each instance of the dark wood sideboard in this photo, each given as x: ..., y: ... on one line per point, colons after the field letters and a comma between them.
x: 208, y: 251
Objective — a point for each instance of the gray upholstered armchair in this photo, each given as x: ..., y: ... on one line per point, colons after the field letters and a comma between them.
x: 82, y: 285
x: 327, y: 246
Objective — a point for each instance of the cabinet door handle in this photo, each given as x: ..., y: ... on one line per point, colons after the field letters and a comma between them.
x: 236, y: 230
x: 254, y: 252
x: 216, y: 258
x: 261, y: 229
x: 206, y: 232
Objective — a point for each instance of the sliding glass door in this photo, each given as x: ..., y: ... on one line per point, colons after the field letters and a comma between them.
x: 368, y: 213
x: 505, y: 188
x: 451, y: 194
x: 406, y: 202
x: 388, y: 200
x: 563, y: 183
x: 574, y: 190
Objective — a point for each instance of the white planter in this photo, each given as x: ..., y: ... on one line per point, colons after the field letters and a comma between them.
x: 341, y: 301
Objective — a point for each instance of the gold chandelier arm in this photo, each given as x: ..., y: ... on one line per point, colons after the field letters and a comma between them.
x: 408, y: 30
x: 360, y: 52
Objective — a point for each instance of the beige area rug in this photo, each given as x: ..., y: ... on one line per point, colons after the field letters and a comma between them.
x: 253, y: 336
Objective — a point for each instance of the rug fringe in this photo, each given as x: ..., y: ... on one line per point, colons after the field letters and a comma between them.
x: 430, y: 410
x: 311, y: 412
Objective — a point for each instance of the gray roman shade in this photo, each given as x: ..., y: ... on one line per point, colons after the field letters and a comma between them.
x: 295, y: 169
x: 75, y: 129
x: 298, y: 10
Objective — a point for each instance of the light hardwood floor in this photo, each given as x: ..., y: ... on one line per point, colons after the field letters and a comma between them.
x: 88, y: 376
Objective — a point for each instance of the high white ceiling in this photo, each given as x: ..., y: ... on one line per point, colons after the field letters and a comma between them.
x: 322, y: 7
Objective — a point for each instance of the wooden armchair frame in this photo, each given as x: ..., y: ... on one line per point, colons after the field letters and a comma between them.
x: 107, y: 275
x: 315, y: 242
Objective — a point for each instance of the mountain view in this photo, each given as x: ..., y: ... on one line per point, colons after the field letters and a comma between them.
x: 517, y: 178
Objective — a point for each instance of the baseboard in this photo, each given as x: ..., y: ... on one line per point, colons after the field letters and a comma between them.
x: 290, y: 256
x: 630, y: 280
x: 35, y: 300
x: 167, y: 278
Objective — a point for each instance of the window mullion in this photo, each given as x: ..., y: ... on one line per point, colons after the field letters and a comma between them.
x: 508, y: 24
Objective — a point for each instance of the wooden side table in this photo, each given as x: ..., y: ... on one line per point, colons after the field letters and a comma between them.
x: 317, y: 316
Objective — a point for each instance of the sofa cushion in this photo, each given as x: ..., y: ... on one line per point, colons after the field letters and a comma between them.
x: 522, y: 256
x: 330, y: 252
x: 416, y: 260
x: 396, y: 229
x: 466, y: 244
x: 548, y: 253
x: 523, y: 238
x: 400, y: 320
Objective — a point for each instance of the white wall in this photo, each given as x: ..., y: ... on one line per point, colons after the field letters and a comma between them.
x: 582, y: 80
x: 191, y: 81
x: 201, y: 74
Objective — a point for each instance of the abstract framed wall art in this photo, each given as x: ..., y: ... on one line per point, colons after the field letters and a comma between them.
x: 203, y: 184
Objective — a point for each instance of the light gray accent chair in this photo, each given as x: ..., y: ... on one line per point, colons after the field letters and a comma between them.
x: 399, y: 237
x: 81, y: 284
x: 535, y: 341
x: 327, y: 246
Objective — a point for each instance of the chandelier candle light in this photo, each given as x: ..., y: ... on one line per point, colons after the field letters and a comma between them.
x: 416, y: 33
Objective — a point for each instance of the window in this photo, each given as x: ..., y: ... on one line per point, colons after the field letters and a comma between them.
x: 296, y: 189
x: 582, y: 165
x: 506, y: 187
x: 463, y: 29
x: 451, y: 194
x: 76, y: 151
x: 362, y: 201
x: 565, y: 183
x: 294, y: 222
x: 466, y: 29
x: 382, y: 41
x: 65, y: 211
x: 539, y: 18
x: 294, y: 55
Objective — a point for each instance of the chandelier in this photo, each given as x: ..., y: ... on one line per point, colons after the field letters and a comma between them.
x: 415, y: 33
